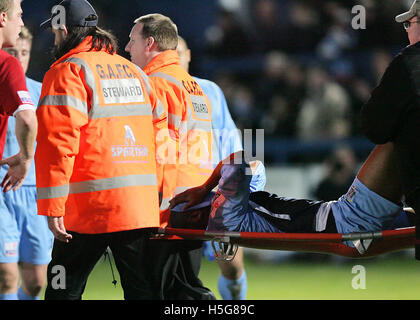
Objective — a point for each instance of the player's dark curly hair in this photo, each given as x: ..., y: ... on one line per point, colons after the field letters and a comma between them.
x: 100, y: 39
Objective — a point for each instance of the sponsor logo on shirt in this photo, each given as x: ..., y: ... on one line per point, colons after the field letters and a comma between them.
x: 10, y: 249
x: 351, y: 193
x: 25, y: 97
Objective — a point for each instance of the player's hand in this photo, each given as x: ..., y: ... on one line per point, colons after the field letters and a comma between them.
x: 18, y: 169
x: 56, y: 225
x: 191, y: 196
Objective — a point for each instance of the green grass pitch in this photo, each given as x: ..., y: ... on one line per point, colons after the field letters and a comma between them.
x: 391, y: 277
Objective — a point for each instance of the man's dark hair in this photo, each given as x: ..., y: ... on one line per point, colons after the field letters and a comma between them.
x: 101, y: 39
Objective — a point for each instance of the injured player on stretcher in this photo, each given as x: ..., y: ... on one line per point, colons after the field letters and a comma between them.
x: 372, y: 203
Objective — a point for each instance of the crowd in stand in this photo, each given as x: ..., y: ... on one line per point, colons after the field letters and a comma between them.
x: 317, y: 70
x: 296, y: 68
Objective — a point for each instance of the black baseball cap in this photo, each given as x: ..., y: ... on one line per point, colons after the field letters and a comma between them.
x: 77, y: 13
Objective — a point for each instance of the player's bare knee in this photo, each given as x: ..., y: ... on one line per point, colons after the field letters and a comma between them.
x: 34, y: 289
x: 230, y: 270
x: 8, y: 280
x: 33, y: 283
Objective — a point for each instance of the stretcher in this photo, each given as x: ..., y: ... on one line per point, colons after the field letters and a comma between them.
x: 366, y: 244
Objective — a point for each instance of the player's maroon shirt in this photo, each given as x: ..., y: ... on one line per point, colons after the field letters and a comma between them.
x: 14, y: 95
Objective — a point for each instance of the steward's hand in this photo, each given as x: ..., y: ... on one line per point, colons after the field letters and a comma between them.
x: 56, y: 225
x: 191, y: 196
x: 18, y: 169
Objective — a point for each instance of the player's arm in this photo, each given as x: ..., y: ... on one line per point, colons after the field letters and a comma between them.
x: 19, y: 104
x: 26, y: 129
x: 19, y: 164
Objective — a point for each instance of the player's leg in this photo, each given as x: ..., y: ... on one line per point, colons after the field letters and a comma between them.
x: 9, y: 252
x: 35, y: 243
x: 232, y: 283
x: 380, y: 173
x: 9, y: 277
x: 33, y: 280
x: 234, y: 208
x: 373, y: 201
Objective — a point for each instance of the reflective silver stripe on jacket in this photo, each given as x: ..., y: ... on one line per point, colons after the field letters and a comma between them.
x: 97, y: 185
x: 89, y: 77
x: 159, y: 110
x: 168, y: 78
x: 174, y: 120
x: 121, y: 111
x: 145, y: 80
x: 64, y: 100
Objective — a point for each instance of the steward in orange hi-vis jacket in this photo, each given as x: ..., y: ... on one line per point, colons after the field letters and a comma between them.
x: 95, y: 159
x: 96, y: 143
x: 189, y: 117
x: 152, y: 46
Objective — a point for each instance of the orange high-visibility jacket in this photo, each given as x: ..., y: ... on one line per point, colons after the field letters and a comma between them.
x: 189, y: 122
x: 95, y: 157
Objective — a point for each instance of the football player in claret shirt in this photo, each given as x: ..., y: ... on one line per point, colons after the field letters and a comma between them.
x: 22, y: 231
x: 14, y: 98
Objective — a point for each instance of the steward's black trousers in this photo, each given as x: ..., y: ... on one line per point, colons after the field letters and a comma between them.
x: 72, y: 263
x: 174, y: 266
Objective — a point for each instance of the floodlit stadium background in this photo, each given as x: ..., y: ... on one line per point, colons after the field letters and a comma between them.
x: 298, y: 70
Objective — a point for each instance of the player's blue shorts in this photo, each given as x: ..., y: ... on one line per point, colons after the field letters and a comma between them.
x: 361, y: 209
x: 24, y: 235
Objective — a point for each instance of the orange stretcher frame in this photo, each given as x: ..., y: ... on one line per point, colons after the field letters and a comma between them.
x: 367, y: 244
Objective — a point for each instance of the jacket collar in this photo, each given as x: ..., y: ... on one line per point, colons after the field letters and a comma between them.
x: 163, y: 59
x: 84, y: 46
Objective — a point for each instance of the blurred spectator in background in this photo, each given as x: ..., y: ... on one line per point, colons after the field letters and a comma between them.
x: 280, y: 93
x: 340, y: 36
x: 242, y: 107
x: 341, y: 167
x: 266, y: 89
x: 305, y: 29
x: 381, y: 29
x: 325, y: 110
x: 359, y: 92
x: 267, y: 21
x: 226, y: 37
